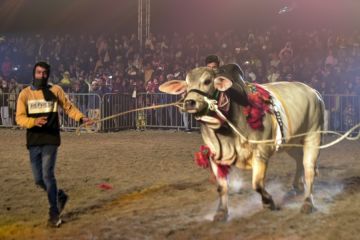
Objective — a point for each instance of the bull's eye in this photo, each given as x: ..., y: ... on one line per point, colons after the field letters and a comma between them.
x: 207, y: 81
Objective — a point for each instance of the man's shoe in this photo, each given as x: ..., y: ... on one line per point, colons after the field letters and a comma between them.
x: 62, y: 200
x: 54, y: 221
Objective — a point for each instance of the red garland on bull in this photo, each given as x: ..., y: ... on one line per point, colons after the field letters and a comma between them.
x: 259, y: 100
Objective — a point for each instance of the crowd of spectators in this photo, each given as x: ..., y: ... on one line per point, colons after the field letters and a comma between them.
x: 324, y: 59
x: 328, y: 61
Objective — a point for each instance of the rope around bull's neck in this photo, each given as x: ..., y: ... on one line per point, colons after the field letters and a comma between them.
x: 212, y: 104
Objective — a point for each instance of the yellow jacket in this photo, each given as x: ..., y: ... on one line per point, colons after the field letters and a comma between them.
x: 31, y: 105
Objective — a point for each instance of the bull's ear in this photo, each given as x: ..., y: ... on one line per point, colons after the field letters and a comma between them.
x: 174, y: 87
x: 222, y: 83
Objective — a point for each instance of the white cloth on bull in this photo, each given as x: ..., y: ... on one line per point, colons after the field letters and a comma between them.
x: 279, y: 111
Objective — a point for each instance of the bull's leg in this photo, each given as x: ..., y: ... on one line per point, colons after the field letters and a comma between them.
x: 258, y: 184
x: 311, y: 155
x: 298, y: 183
x: 222, y: 211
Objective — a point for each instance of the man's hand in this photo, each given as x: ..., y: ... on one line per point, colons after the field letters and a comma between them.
x: 87, y: 121
x: 40, y: 121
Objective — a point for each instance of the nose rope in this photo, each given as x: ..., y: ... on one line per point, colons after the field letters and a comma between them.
x: 214, y: 96
x: 212, y: 105
x: 199, y: 92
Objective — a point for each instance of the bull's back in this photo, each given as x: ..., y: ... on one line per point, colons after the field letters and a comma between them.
x: 303, y: 105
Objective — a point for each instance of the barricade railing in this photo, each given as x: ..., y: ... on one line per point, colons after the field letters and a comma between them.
x: 341, y: 111
x: 114, y: 103
x: 164, y: 118
x: 89, y: 104
x: 8, y: 109
x: 169, y: 117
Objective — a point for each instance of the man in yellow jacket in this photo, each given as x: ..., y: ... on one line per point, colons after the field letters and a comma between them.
x: 37, y: 111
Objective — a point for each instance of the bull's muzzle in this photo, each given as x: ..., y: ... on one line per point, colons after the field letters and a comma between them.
x: 189, y: 105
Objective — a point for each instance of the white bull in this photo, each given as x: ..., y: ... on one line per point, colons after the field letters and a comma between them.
x: 303, y: 112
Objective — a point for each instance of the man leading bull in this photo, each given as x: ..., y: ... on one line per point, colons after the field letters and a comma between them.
x: 37, y: 111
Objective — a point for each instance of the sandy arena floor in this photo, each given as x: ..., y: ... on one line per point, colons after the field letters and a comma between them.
x: 159, y: 193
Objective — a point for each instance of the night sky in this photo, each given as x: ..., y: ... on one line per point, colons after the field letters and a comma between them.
x: 169, y: 15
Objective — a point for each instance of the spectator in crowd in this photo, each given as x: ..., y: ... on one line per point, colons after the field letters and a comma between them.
x: 273, y: 75
x: 81, y: 98
x: 94, y: 103
x: 118, y: 85
x: 286, y: 54
x: 212, y: 61
x: 331, y: 59
x: 4, y: 104
x: 13, y: 91
x: 65, y: 82
x: 6, y: 67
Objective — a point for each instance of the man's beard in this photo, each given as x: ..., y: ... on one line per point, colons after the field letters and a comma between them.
x: 40, y: 83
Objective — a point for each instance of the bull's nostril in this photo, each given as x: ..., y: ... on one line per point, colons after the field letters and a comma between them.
x: 190, y: 104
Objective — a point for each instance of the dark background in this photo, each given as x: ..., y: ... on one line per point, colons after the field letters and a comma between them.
x: 88, y: 16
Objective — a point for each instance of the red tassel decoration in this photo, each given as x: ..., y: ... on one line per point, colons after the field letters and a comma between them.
x: 202, y: 159
x: 223, y: 170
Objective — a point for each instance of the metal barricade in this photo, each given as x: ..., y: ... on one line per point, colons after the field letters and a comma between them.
x: 8, y: 109
x: 115, y: 103
x: 89, y: 104
x: 169, y: 117
x: 342, y: 112
x: 163, y: 118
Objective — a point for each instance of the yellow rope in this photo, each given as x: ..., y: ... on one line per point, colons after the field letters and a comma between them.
x: 213, y: 107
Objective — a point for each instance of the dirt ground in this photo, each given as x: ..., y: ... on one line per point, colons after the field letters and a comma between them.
x: 157, y: 192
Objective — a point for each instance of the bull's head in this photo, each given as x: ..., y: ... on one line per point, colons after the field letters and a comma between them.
x: 203, y: 82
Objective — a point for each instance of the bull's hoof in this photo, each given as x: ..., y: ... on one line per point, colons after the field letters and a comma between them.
x: 307, y: 208
x: 221, y: 216
x: 270, y: 205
